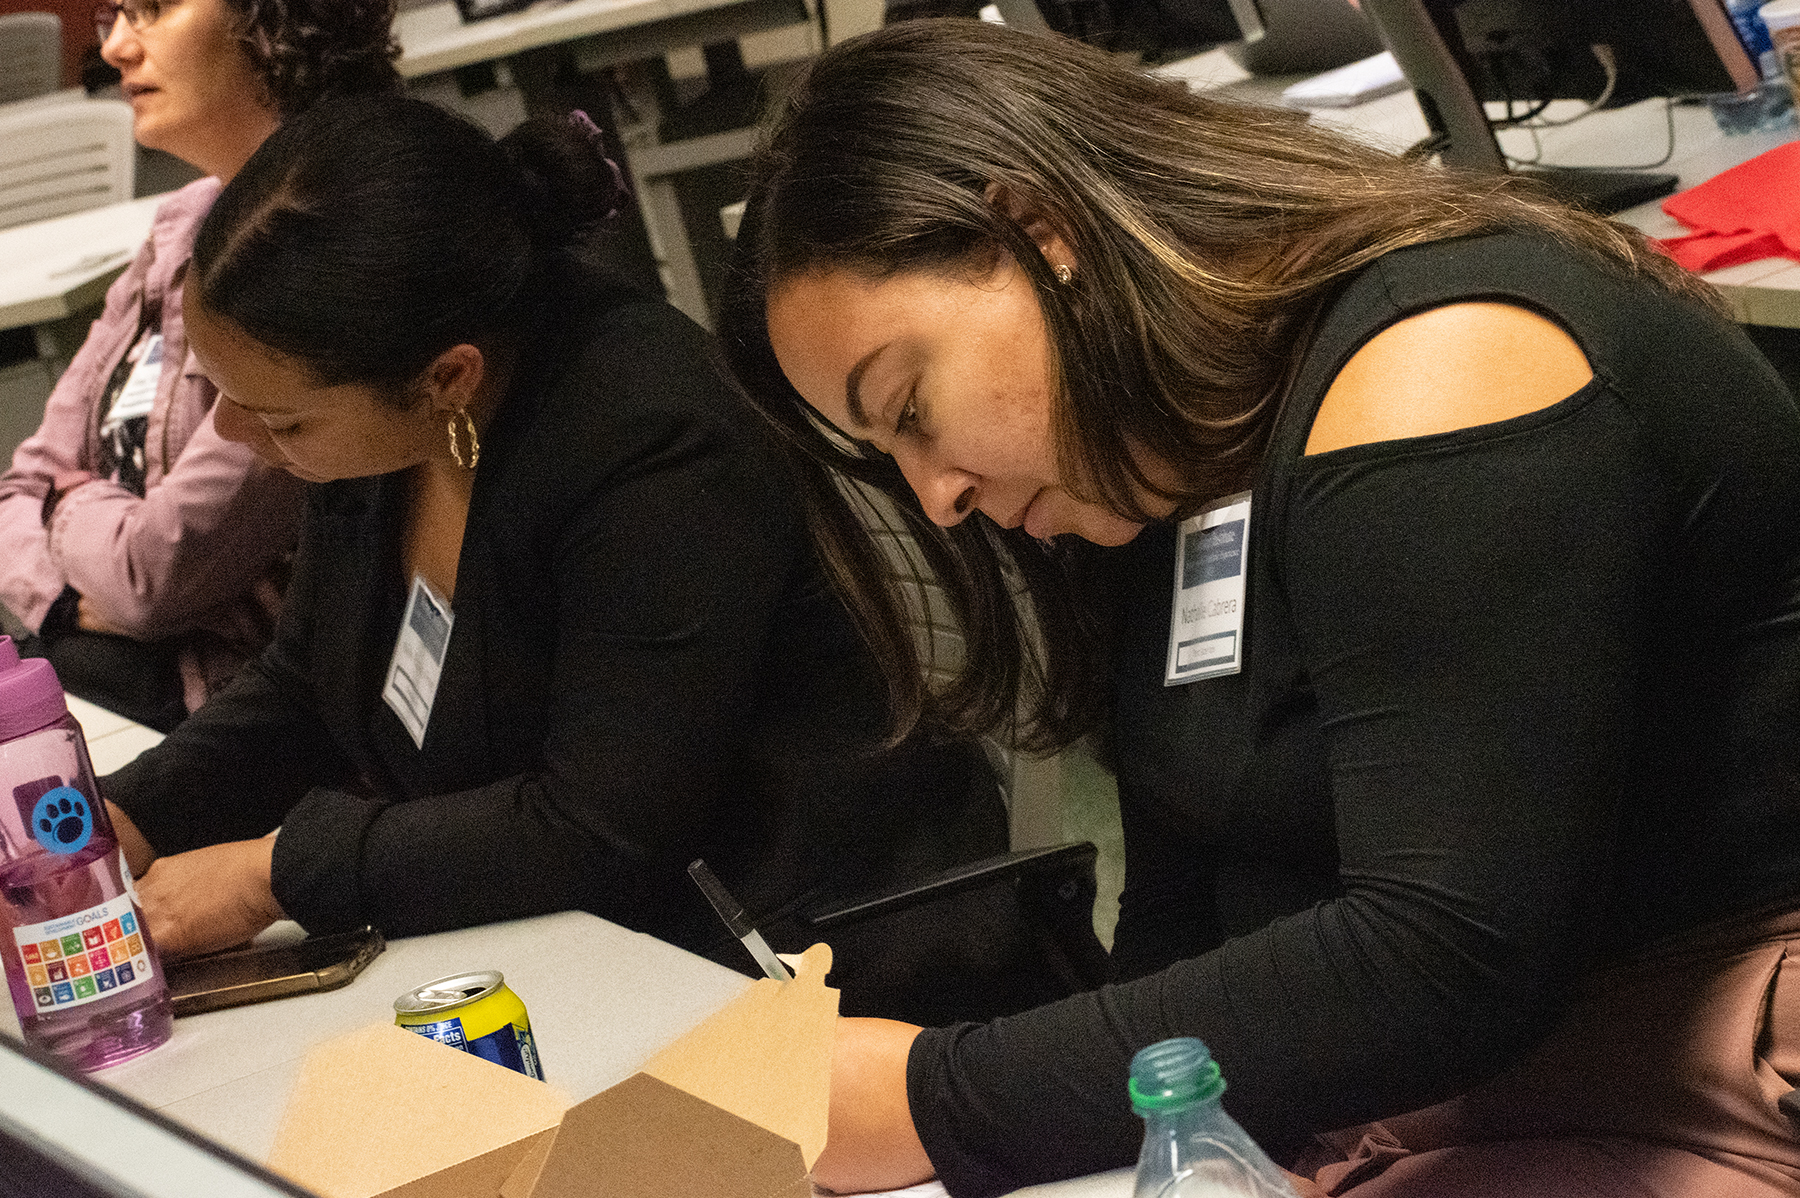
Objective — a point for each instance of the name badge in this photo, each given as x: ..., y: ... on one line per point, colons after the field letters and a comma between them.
x: 138, y: 395
x: 418, y: 661
x: 1206, y: 628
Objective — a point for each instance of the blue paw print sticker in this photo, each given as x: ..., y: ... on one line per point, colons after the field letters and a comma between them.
x: 62, y: 821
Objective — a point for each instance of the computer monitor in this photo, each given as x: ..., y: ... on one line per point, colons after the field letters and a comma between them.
x: 1533, y: 51
x: 70, y: 1136
x: 1265, y: 37
x: 1525, y: 53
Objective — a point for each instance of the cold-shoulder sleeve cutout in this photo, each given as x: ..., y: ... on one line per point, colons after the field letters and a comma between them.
x: 1448, y: 368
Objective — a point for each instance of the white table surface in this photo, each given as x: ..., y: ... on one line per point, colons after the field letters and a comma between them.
x: 1765, y: 292
x: 112, y: 740
x: 602, y: 1001
x: 52, y: 268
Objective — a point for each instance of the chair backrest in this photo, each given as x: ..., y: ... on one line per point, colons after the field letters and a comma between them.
x: 61, y: 158
x: 1032, y: 785
x: 30, y: 54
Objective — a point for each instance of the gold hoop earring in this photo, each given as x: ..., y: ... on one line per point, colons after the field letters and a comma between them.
x: 456, y: 441
x: 1065, y: 274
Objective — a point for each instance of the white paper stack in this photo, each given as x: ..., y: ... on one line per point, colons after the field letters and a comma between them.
x: 1365, y: 79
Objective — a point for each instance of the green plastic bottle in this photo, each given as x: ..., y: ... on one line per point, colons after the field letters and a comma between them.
x: 1192, y: 1148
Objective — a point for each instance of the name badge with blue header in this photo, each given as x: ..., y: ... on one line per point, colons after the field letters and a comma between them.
x: 1206, y: 627
x: 418, y: 661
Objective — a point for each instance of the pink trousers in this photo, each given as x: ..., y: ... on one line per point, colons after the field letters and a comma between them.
x: 1661, y: 1082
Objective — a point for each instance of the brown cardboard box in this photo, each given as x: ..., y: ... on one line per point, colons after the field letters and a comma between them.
x: 734, y: 1109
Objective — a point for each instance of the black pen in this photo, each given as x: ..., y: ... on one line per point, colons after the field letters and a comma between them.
x: 732, y: 912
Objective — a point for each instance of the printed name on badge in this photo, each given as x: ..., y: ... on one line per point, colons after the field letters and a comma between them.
x: 138, y: 395
x: 418, y: 661
x: 1206, y: 626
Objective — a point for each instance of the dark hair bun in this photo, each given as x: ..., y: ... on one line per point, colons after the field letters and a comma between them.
x: 569, y: 185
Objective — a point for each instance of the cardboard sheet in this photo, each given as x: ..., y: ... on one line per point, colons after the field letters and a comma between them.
x: 381, y: 1110
x: 737, y: 1108
x: 766, y: 1056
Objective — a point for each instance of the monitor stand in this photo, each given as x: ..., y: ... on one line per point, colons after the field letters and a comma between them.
x: 1461, y: 134
x: 1602, y: 192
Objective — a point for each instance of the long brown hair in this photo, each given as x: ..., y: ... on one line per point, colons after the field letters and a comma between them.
x: 1208, y: 236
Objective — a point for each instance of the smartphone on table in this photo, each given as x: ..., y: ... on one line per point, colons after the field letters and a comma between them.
x: 248, y: 975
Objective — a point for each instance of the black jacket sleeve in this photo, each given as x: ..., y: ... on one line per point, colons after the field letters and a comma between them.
x: 666, y: 580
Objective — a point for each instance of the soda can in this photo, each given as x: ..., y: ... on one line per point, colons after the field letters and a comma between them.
x: 476, y: 1012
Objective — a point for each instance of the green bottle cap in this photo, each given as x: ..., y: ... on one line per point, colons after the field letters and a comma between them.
x: 1173, y: 1074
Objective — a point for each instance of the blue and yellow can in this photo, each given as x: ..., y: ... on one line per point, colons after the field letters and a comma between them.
x: 476, y: 1012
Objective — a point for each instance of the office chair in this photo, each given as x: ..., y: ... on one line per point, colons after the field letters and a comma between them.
x: 30, y: 55
x: 981, y: 939
x: 62, y: 158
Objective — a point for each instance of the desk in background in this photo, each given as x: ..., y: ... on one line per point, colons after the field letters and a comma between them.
x: 1765, y: 292
x: 544, y: 41
x: 435, y: 38
x: 55, y: 268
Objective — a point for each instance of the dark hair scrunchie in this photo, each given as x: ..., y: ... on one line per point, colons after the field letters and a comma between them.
x: 584, y: 124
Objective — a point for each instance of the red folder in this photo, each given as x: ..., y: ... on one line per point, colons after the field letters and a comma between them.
x: 1748, y: 212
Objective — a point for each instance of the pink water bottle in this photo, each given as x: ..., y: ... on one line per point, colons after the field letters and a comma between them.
x: 83, y: 974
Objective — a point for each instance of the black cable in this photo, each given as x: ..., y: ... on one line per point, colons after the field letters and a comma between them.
x: 1668, y: 152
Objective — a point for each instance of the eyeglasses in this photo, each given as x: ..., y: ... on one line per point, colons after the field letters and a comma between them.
x: 138, y: 14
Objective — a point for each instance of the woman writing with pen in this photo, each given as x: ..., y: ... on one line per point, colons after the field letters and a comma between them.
x: 1429, y: 555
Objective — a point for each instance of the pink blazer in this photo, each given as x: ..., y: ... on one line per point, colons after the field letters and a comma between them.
x: 201, y: 556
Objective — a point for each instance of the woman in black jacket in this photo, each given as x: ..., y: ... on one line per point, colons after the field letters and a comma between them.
x: 555, y: 628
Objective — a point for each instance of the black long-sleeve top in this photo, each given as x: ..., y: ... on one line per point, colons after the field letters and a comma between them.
x: 646, y: 667
x: 1517, y: 700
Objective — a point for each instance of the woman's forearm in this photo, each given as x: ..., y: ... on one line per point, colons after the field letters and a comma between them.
x: 872, y: 1144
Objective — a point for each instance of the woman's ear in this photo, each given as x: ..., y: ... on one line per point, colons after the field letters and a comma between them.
x: 454, y: 378
x: 1049, y: 239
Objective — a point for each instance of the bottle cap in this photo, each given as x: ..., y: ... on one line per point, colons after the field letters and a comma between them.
x: 31, y: 696
x: 1172, y: 1074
